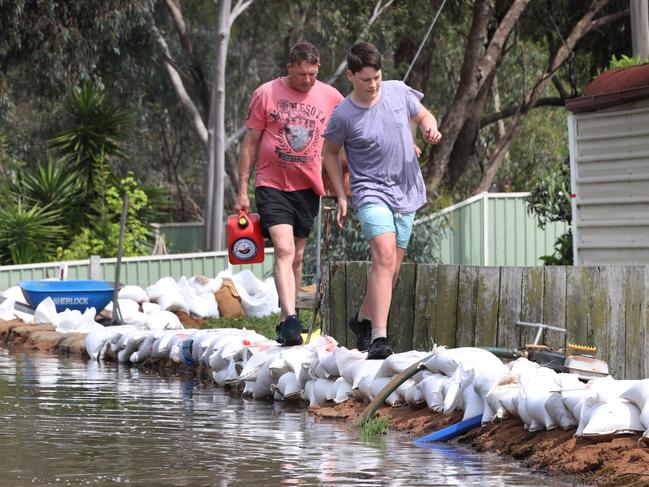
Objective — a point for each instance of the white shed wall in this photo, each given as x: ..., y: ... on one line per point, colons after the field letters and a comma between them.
x: 609, y: 157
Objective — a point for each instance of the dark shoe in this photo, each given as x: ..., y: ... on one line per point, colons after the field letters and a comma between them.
x: 288, y: 332
x: 379, y: 349
x: 363, y: 332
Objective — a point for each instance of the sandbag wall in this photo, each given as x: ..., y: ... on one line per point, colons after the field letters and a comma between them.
x: 606, y: 307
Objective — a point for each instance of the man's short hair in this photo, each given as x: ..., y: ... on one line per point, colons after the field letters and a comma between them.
x: 362, y: 55
x: 304, y: 51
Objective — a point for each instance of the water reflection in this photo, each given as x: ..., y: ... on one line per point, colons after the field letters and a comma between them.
x: 68, y: 422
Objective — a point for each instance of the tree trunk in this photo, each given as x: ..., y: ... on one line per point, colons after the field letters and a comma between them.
x: 465, y: 144
x: 580, y: 29
x: 476, y: 70
x: 216, y: 134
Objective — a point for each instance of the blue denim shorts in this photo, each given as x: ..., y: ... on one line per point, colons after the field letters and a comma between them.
x: 378, y: 218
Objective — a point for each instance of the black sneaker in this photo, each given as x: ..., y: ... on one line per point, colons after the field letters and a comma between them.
x: 288, y: 332
x: 379, y: 349
x: 363, y: 332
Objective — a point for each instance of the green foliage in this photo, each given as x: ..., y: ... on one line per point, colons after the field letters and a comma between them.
x: 101, y: 237
x: 28, y: 233
x: 562, y: 251
x: 99, y: 128
x: 626, y: 62
x: 373, y: 427
x: 52, y: 184
x: 549, y: 201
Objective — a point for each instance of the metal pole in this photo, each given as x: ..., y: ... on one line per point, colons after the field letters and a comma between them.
x: 117, y: 314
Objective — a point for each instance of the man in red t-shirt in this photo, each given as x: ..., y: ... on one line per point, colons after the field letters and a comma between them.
x: 286, y: 120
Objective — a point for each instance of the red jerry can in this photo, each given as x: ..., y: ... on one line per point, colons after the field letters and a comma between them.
x: 245, y: 241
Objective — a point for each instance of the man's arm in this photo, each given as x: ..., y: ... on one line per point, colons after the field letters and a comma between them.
x: 247, y: 155
x: 331, y: 164
x: 428, y: 126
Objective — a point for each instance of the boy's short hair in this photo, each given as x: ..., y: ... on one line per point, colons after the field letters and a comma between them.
x: 304, y: 51
x: 362, y: 55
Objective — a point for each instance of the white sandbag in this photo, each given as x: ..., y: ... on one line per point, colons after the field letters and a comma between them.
x: 163, y: 320
x: 73, y: 321
x: 357, y: 370
x: 290, y: 359
x: 484, y: 381
x: 345, y: 357
x: 327, y: 361
x: 95, y: 341
x: 414, y: 396
x: 257, y: 298
x: 638, y: 394
x: 611, y: 386
x: 129, y: 343
x: 163, y: 286
x: 398, y: 362
x: 247, y: 389
x: 45, y: 313
x: 7, y: 310
x: 203, y: 306
x: 535, y: 391
x: 218, y: 376
x: 342, y: 390
x: 15, y: 294
x: 318, y: 391
x: 261, y: 386
x: 232, y: 375
x: 458, y: 382
x: 432, y: 388
x: 133, y: 293
x: 287, y: 387
x: 559, y: 413
x: 162, y: 346
x: 255, y: 362
x: 574, y: 400
x: 144, y: 348
x: 205, y: 285
x: 148, y: 308
x: 500, y: 400
x: 173, y: 301
x: 473, y: 404
x: 446, y: 361
x: 607, y: 415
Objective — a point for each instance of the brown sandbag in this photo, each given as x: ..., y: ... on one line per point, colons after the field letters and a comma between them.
x: 229, y: 301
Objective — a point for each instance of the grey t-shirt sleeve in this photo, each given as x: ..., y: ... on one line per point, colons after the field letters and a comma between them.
x: 413, y: 98
x: 336, y: 131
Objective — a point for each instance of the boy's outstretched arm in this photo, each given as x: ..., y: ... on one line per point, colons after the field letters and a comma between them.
x: 331, y: 164
x: 428, y: 126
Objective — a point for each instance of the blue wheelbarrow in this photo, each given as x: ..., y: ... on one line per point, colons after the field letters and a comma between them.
x: 79, y: 294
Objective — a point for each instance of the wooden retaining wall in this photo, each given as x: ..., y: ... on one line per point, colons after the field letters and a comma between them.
x: 606, y: 307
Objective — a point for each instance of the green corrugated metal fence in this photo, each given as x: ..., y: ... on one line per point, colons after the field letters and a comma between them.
x: 493, y: 229
x: 141, y: 271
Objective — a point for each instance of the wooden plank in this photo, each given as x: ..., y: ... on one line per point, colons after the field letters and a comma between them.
x: 579, y: 282
x: 425, y: 301
x: 402, y: 307
x: 306, y: 300
x: 337, y: 293
x: 509, y: 306
x: 325, y: 304
x: 617, y: 345
x: 598, y: 326
x: 488, y: 289
x: 531, y: 302
x: 554, y: 305
x: 634, y: 279
x: 356, y: 282
x: 466, y: 306
x: 446, y: 312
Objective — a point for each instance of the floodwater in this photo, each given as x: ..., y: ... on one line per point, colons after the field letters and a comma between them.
x: 69, y: 422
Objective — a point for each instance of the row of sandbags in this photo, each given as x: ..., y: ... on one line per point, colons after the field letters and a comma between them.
x: 468, y: 379
x: 238, y: 294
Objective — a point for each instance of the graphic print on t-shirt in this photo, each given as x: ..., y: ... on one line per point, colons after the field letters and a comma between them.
x: 298, y: 130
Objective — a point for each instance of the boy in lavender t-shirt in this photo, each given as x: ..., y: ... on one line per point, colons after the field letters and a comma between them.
x: 373, y: 124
